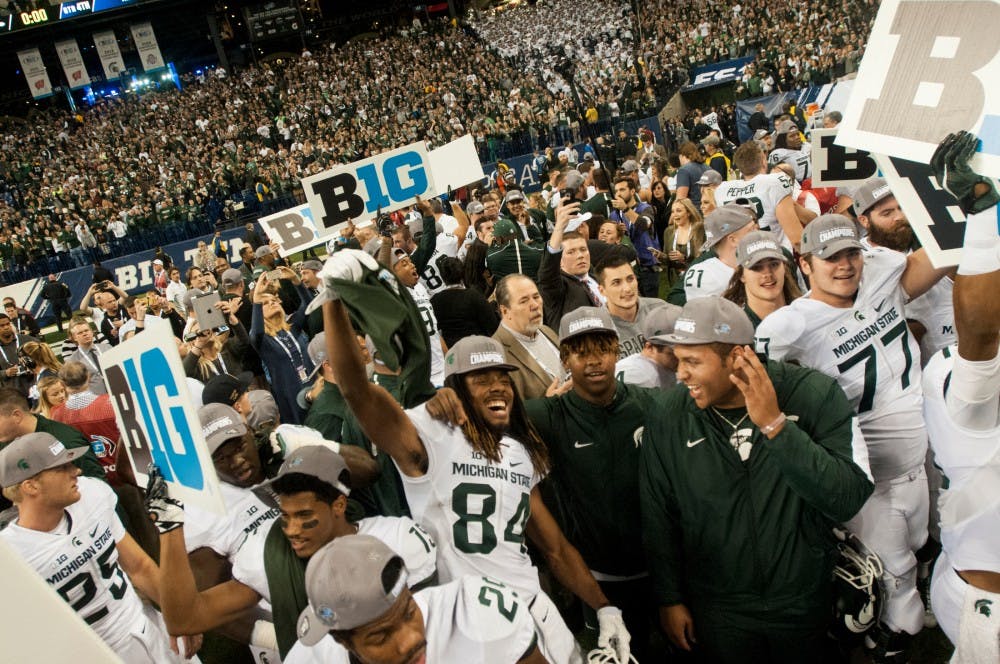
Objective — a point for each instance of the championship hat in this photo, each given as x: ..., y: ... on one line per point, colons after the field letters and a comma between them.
x: 659, y: 323
x: 32, y: 453
x: 262, y: 250
x: 586, y: 320
x: 827, y: 234
x: 870, y: 192
x: 317, y: 352
x: 711, y: 178
x: 312, y: 264
x: 515, y: 195
x: 350, y: 582
x: 707, y: 320
x: 220, y: 423
x: 263, y: 409
x: 756, y: 246
x: 474, y: 353
x: 474, y: 207
x: 724, y: 220
x: 232, y: 277
x: 318, y: 461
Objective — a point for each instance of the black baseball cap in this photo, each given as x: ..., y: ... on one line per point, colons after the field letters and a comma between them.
x: 225, y: 389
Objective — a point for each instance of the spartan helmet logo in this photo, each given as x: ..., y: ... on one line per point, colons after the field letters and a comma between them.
x: 637, y: 436
x: 740, y: 440
x: 982, y: 606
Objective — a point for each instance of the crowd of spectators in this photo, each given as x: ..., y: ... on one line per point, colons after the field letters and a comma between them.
x: 166, y: 165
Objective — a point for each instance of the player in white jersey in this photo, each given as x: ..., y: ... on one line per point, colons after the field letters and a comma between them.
x: 655, y: 365
x: 851, y: 327
x: 769, y: 193
x: 358, y: 602
x: 311, y: 489
x: 406, y: 272
x: 725, y: 226
x: 789, y: 149
x: 474, y: 487
x: 962, y: 405
x: 67, y: 529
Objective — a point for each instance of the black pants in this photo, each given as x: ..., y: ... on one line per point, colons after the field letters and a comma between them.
x: 649, y: 281
x: 756, y: 635
x: 60, y: 307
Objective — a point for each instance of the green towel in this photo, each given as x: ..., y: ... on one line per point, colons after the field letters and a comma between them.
x: 286, y: 579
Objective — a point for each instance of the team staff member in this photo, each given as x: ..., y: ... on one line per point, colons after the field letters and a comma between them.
x: 743, y: 473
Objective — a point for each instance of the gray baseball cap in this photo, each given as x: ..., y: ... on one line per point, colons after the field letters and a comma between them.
x: 220, y: 423
x: 707, y: 320
x: 231, y: 277
x: 574, y: 180
x: 659, y: 323
x: 312, y: 264
x: 515, y: 195
x: 474, y: 207
x: 32, y: 453
x: 870, y: 192
x: 350, y: 582
x: 263, y: 409
x: 711, y: 178
x: 262, y: 250
x: 474, y: 353
x: 320, y: 462
x: 829, y: 233
x: 724, y: 220
x: 585, y: 320
x: 397, y: 255
x: 317, y: 352
x: 756, y: 246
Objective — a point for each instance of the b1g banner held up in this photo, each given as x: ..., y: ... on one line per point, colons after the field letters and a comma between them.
x: 157, y: 418
x: 357, y: 191
x: 930, y: 69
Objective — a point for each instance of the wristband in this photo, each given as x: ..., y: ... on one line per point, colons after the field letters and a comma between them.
x: 778, y: 422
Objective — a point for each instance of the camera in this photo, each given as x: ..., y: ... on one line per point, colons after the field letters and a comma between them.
x: 25, y: 365
x: 565, y: 196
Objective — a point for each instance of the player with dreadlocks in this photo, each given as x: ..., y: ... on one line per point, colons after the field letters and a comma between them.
x: 474, y: 487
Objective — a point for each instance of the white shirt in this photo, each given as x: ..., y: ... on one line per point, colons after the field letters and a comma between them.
x: 642, y: 371
x: 423, y: 301
x: 765, y: 191
x: 706, y: 278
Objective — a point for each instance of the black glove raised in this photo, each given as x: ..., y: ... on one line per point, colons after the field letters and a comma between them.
x: 951, y: 168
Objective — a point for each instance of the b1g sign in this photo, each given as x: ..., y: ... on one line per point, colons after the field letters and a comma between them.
x: 930, y: 69
x: 293, y: 229
x: 838, y: 166
x: 157, y: 418
x: 389, y: 181
x: 933, y: 213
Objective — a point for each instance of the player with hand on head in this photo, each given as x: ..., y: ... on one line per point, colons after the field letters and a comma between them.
x: 360, y: 610
x: 962, y: 410
x: 852, y: 327
x: 68, y: 531
x: 473, y: 487
x: 742, y: 477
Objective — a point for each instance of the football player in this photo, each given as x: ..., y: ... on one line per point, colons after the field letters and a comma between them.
x: 851, y: 326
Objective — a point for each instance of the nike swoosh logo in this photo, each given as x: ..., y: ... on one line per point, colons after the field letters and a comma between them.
x: 579, y: 445
x: 515, y: 465
x: 692, y: 443
x: 94, y: 531
x: 880, y: 305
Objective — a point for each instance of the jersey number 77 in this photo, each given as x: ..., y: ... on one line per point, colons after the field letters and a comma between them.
x: 868, y: 355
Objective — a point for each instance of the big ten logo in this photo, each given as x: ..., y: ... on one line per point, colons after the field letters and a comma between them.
x: 385, y: 182
x: 155, y: 422
x: 930, y: 88
x: 292, y: 227
x: 836, y: 164
x: 933, y: 210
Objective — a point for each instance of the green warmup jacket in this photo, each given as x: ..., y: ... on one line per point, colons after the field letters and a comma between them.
x: 327, y: 412
x: 595, y: 474
x: 731, y: 536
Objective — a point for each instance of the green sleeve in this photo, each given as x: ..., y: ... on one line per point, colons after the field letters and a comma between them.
x: 428, y: 243
x: 538, y: 413
x: 72, y: 438
x: 818, y: 463
x: 661, y: 531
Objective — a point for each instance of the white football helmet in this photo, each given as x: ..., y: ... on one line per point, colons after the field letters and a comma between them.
x: 858, y: 591
x: 607, y: 656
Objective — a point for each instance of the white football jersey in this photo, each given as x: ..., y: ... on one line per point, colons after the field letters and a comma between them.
x: 430, y: 277
x: 970, y: 463
x: 245, y: 514
x: 401, y: 534
x: 868, y: 350
x: 641, y: 371
x: 423, y: 301
x: 797, y: 159
x: 475, y: 509
x: 80, y: 561
x: 709, y: 277
x: 935, y: 312
x: 472, y: 620
x: 765, y: 191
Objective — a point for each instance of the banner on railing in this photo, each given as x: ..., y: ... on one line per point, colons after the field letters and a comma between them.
x: 146, y: 46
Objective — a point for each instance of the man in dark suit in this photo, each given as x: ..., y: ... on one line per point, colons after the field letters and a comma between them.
x: 528, y: 344
x: 564, y: 274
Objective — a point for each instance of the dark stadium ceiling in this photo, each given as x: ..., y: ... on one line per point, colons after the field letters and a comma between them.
x: 181, y: 27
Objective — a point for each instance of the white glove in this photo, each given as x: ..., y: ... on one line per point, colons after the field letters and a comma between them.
x: 612, y: 632
x: 287, y: 438
x: 166, y: 513
x: 346, y: 264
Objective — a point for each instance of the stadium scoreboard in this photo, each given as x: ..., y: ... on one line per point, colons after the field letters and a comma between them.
x: 19, y: 20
